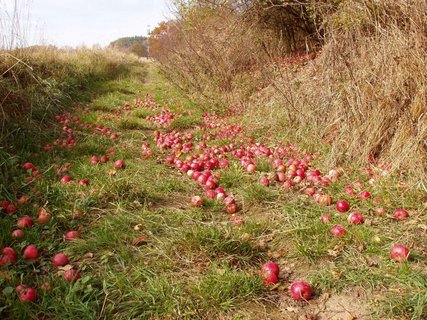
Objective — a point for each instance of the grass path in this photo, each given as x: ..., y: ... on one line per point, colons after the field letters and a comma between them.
x: 145, y: 252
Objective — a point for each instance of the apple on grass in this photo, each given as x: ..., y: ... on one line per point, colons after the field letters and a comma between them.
x: 26, y: 294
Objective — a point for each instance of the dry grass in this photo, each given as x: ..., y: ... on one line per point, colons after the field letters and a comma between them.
x: 365, y: 94
x: 37, y: 80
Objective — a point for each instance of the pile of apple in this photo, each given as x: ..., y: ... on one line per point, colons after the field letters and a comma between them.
x: 292, y: 170
x: 149, y: 102
x: 219, y: 128
x: 72, y: 124
x: 173, y: 140
x: 163, y: 119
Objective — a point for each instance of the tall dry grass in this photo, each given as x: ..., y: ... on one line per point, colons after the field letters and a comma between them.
x: 38, y: 81
x: 366, y: 93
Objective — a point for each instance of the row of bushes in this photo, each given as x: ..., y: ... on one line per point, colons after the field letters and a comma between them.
x: 352, y: 74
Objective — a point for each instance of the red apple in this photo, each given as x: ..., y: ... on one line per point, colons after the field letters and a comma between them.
x: 31, y: 252
x: 104, y: 159
x: 300, y: 290
x: 224, y: 164
x: 297, y: 179
x: 44, y: 216
x: 71, y: 275
x: 338, y: 231
x: 365, y: 195
x: 196, y: 201
x: 94, y: 160
x: 237, y: 220
x: 7, y: 259
x: 66, y: 179
x: 119, y: 164
x: 325, y: 218
x: 355, y: 218
x: 288, y: 184
x: 202, y: 179
x: 10, y: 209
x: 25, y: 222
x: 4, y: 204
x: 84, y: 182
x: 310, y: 191
x: 210, y: 194
x: 268, y: 268
x: 349, y: 190
x: 229, y: 200
x: 23, y: 199
x: 251, y: 168
x: 232, y: 208
x: 400, y: 214
x: 271, y: 278
x: 8, y: 251
x: 399, y: 253
x: 28, y: 166
x: 26, y: 294
x: 221, y: 196
x: 342, y: 206
x: 281, y: 176
x: 265, y: 181
x: 325, y: 200
x: 16, y: 234
x: 71, y: 235
x: 210, y: 184
x: 60, y: 260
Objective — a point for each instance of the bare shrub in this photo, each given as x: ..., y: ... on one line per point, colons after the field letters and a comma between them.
x: 212, y: 46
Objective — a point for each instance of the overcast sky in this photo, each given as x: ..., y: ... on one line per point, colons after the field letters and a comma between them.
x: 90, y: 22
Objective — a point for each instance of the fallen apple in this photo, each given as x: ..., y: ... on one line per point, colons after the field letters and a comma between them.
x: 25, y: 222
x: 31, y: 252
x: 300, y: 290
x: 399, y: 253
x: 60, y: 260
x: 338, y: 231
x: 26, y: 294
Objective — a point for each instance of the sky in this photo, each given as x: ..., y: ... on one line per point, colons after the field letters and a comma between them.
x: 92, y: 22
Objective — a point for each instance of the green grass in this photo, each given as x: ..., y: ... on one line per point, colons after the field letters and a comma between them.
x: 133, y: 124
x: 258, y: 194
x: 186, y: 122
x: 233, y: 176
